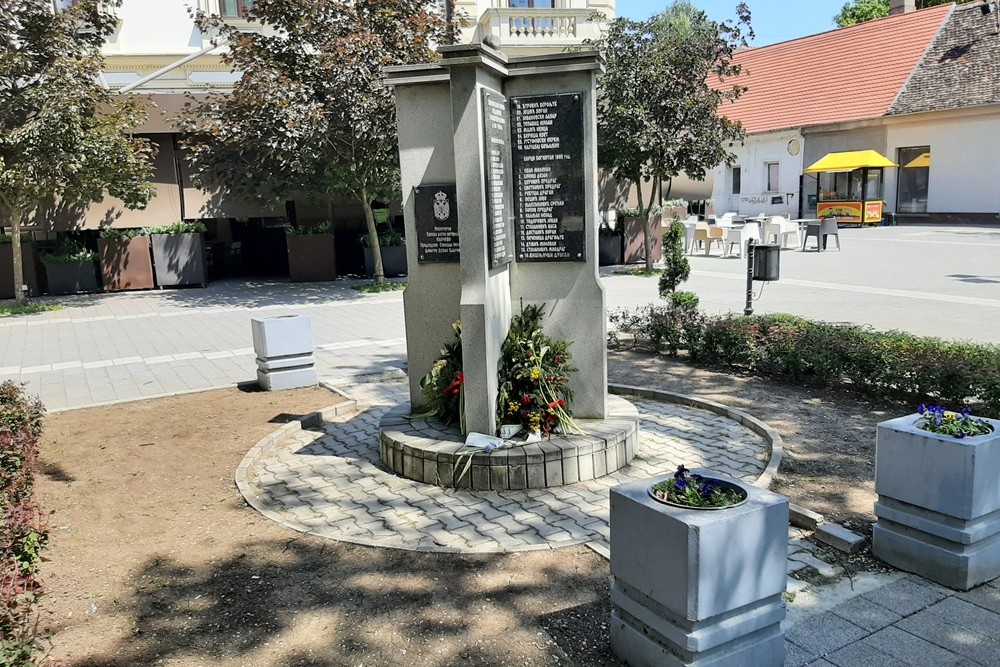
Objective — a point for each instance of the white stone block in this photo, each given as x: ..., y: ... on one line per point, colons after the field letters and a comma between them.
x: 282, y: 336
x: 294, y: 378
x: 698, y: 587
x: 938, y: 503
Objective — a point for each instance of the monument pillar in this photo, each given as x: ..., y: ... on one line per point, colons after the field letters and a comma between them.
x: 499, y: 174
x: 482, y: 167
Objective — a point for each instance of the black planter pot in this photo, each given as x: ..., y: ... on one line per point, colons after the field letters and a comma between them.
x: 311, y: 258
x: 609, y: 250
x: 393, y: 261
x: 71, y: 277
x: 32, y: 276
x: 179, y: 259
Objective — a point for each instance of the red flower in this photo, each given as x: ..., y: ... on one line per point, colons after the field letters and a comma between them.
x: 455, y: 387
x: 525, y: 400
x: 560, y: 403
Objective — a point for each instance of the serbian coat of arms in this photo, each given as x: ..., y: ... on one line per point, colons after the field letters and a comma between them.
x: 442, y: 209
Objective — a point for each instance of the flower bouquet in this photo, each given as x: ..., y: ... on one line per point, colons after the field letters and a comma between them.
x: 533, y: 378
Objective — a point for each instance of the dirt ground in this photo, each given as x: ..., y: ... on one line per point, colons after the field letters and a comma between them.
x: 154, y: 558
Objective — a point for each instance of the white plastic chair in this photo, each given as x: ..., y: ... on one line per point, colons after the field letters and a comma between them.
x: 689, y: 225
x: 707, y: 233
x: 781, y: 228
x: 739, y: 237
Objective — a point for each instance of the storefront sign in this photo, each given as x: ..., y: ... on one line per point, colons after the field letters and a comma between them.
x: 844, y: 211
x: 873, y: 211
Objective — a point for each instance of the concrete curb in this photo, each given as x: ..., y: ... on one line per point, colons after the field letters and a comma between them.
x: 275, y: 438
x: 757, y: 426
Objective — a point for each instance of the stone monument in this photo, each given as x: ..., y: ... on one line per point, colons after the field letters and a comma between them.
x: 499, y: 178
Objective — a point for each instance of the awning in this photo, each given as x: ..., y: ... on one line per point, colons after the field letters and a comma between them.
x: 922, y: 160
x: 849, y: 161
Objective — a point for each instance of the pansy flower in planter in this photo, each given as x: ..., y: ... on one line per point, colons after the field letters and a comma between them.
x: 935, y: 419
x: 697, y: 491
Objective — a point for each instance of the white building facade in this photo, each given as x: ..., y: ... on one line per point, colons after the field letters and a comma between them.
x: 764, y: 178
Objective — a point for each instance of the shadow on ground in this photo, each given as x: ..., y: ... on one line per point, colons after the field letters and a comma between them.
x: 345, y: 605
x: 233, y: 293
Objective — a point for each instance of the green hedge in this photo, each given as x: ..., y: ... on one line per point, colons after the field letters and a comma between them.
x: 880, y: 363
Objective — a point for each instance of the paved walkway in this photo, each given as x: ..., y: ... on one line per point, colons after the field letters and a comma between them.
x: 331, y: 483
x: 105, y: 348
x: 112, y: 347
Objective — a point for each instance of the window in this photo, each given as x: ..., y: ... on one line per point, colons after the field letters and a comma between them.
x: 533, y: 4
x: 735, y: 177
x: 234, y: 8
x: 913, y: 179
x: 771, y: 176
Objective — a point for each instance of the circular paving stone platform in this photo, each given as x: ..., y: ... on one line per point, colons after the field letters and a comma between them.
x: 330, y: 482
x: 426, y: 450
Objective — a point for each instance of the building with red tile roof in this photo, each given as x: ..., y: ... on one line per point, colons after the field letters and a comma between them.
x: 919, y: 82
x: 842, y: 75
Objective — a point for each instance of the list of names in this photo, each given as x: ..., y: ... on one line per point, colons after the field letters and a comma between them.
x: 496, y: 122
x: 548, y: 178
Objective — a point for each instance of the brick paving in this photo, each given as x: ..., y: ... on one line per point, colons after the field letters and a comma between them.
x: 332, y: 483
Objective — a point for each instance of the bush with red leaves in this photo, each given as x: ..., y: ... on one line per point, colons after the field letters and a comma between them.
x: 22, y: 526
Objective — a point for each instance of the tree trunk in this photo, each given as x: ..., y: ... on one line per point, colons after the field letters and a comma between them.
x: 20, y: 296
x: 373, y: 237
x: 647, y: 245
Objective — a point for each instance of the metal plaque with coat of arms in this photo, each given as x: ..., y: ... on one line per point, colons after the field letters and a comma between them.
x: 436, y: 217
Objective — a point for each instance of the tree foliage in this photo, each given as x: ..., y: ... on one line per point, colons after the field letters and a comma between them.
x: 859, y: 11
x: 310, y: 115
x: 665, y: 79
x: 63, y: 135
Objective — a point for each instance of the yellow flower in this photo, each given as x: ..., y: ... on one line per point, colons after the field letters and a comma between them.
x: 512, y: 407
x: 536, y: 373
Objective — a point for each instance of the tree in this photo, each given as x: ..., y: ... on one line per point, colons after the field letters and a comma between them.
x: 62, y: 134
x: 310, y: 114
x: 665, y: 79
x: 859, y: 11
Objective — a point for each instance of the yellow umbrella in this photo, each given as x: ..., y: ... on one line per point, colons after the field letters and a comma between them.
x: 922, y: 160
x: 849, y: 161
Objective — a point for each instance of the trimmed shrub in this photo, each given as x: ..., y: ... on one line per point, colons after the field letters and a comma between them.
x: 22, y: 526
x: 893, y: 363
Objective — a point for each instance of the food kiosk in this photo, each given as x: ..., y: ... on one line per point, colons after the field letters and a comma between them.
x: 849, y: 186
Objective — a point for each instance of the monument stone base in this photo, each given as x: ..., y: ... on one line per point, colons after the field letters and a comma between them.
x: 431, y: 452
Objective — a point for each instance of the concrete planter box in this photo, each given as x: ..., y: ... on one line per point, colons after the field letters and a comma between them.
x: 634, y: 250
x: 126, y: 264
x: 393, y: 261
x: 698, y: 587
x: 30, y: 268
x: 71, y: 277
x: 938, y: 503
x: 311, y: 258
x: 609, y: 250
x: 284, y: 349
x: 179, y: 259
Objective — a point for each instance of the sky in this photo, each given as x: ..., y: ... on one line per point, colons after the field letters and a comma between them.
x: 772, y: 20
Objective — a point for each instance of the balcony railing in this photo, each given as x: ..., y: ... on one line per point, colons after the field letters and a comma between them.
x: 537, y: 27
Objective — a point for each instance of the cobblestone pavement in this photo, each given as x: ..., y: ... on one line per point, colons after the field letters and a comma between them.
x: 332, y: 483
